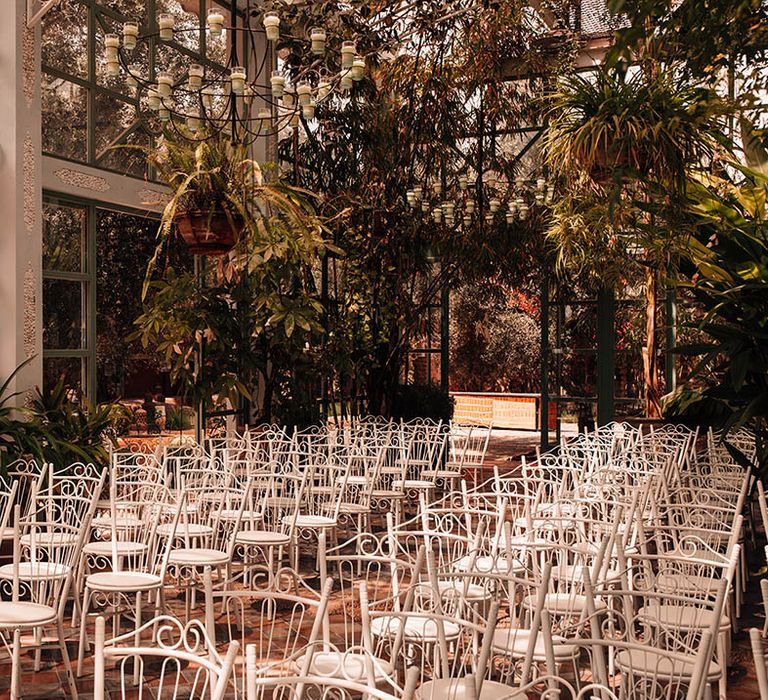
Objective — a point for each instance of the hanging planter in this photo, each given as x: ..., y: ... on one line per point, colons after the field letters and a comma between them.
x: 613, y: 162
x: 212, y: 232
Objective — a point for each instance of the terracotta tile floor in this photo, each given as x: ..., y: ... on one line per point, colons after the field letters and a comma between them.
x: 50, y: 682
x: 504, y: 450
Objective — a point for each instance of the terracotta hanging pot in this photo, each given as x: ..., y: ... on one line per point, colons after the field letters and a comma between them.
x: 611, y: 164
x: 209, y: 232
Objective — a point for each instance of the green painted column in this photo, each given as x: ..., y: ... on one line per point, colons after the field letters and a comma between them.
x: 606, y: 361
x: 445, y: 328
x: 544, y: 362
x: 670, y: 370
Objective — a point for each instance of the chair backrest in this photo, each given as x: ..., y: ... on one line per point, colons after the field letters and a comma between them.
x: 283, y: 621
x: 48, y: 539
x: 182, y: 651
x: 296, y: 687
x: 24, y: 473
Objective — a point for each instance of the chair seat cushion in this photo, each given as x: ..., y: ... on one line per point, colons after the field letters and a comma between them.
x: 680, y: 616
x: 417, y: 627
x: 266, y: 538
x: 185, y: 530
x: 127, y: 581
x: 198, y: 557
x: 350, y: 665
x: 123, y: 549
x: 310, y: 521
x: 23, y: 614
x: 661, y: 664
x: 36, y: 571
x: 514, y: 642
x: 456, y: 689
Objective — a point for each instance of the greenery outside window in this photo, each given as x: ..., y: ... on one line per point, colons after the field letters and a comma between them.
x: 67, y: 292
x: 85, y: 112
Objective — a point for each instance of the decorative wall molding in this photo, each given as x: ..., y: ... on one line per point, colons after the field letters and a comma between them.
x: 85, y: 181
x: 29, y: 76
x: 30, y: 311
x: 59, y: 176
x: 29, y: 175
x: 154, y: 197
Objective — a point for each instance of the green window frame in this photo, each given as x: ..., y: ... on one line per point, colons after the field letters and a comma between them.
x: 98, y: 18
x: 87, y: 278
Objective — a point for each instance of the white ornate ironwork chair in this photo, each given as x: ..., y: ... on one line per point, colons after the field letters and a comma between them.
x: 176, y: 653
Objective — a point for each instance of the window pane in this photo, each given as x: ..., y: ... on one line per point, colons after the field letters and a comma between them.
x: 65, y: 121
x: 125, y: 243
x: 70, y: 369
x: 63, y: 323
x: 137, y: 57
x: 113, y: 119
x: 63, y: 237
x: 186, y: 25
x: 130, y: 9
x: 65, y: 39
x: 126, y: 160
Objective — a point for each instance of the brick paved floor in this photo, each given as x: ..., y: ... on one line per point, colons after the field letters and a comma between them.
x: 505, y: 449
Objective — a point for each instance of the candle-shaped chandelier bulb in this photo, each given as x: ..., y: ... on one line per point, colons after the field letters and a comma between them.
x: 348, y: 53
x: 358, y: 68
x: 164, y: 84
x: 165, y: 22
x: 304, y: 92
x: 323, y: 89
x: 111, y: 47
x: 264, y: 119
x: 153, y: 98
x: 193, y: 120
x: 318, y: 38
x: 195, y: 76
x: 308, y: 110
x: 237, y: 79
x: 272, y: 26
x: 215, y: 22
x: 277, y: 81
x: 130, y: 35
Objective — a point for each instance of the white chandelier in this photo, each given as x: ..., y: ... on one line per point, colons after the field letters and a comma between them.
x: 231, y: 100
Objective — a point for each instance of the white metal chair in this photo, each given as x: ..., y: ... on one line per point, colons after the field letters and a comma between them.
x: 174, y: 647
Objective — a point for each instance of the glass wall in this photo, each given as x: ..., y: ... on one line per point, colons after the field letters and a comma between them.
x: 94, y: 262
x: 67, y: 288
x: 85, y: 112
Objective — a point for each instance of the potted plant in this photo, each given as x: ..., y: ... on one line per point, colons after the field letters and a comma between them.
x: 213, y: 182
x: 651, y: 123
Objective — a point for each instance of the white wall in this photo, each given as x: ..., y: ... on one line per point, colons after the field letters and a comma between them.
x: 20, y: 198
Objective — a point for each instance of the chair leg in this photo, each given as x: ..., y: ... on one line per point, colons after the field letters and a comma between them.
x: 137, y: 637
x: 65, y: 658
x: 82, y: 647
x: 38, y: 636
x: 16, y: 666
x: 722, y: 658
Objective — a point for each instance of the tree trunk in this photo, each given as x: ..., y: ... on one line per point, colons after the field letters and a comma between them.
x: 650, y: 351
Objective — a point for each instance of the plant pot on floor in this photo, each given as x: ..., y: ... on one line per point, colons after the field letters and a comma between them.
x: 209, y: 232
